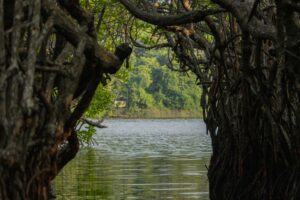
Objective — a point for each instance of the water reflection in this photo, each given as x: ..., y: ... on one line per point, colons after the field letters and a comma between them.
x: 140, y: 159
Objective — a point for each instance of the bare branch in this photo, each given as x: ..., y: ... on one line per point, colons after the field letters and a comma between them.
x: 97, y: 123
x: 169, y: 20
x: 241, y: 11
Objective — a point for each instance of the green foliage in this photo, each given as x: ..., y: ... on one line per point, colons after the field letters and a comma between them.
x: 85, y: 135
x: 101, y: 102
x: 152, y: 85
x: 110, y: 33
x: 148, y: 85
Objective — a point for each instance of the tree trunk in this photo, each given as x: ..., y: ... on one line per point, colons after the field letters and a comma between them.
x: 50, y: 67
x: 256, y: 141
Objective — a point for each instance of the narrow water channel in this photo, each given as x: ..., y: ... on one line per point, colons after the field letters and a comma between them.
x: 140, y: 159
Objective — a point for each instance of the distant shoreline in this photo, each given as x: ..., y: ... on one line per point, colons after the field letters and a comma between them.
x: 158, y: 114
x: 132, y: 117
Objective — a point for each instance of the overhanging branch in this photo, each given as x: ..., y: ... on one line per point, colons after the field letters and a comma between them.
x: 168, y: 20
x: 65, y: 26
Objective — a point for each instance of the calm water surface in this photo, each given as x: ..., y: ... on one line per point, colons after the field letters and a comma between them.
x: 140, y: 159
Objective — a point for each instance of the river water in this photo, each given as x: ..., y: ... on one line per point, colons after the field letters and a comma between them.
x: 140, y: 159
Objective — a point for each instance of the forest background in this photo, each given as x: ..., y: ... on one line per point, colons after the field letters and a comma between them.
x: 148, y: 89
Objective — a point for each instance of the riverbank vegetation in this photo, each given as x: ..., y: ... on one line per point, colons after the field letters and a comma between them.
x: 148, y: 89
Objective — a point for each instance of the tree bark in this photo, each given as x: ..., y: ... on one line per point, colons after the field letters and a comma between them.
x: 49, y: 64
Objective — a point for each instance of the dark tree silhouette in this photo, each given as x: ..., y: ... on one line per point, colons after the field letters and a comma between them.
x: 50, y: 67
x: 246, y: 55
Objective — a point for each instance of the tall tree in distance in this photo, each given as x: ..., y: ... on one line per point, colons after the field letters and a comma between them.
x: 246, y: 56
x: 50, y: 67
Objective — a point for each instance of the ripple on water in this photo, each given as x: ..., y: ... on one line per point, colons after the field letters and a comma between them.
x: 141, y: 159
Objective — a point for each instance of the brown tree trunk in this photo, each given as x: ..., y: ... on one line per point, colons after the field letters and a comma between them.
x: 256, y: 141
x: 50, y: 67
